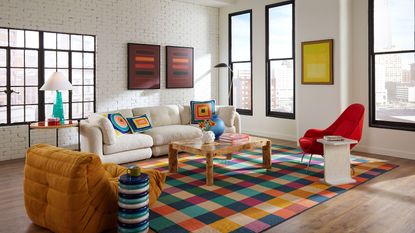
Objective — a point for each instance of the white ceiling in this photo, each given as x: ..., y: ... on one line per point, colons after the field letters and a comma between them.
x: 214, y: 3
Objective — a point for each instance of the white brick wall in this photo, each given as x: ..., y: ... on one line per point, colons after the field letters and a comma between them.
x: 116, y: 23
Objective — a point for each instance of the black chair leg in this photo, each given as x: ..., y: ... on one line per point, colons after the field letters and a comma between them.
x: 302, y: 157
x: 309, y: 161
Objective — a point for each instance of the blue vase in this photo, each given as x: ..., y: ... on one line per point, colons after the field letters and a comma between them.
x: 219, y: 128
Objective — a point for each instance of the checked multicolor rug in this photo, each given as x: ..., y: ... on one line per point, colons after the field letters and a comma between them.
x: 245, y: 197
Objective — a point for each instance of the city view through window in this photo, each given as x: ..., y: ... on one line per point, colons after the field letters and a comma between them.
x: 280, y: 59
x: 240, y: 61
x: 394, y: 60
x: 22, y: 73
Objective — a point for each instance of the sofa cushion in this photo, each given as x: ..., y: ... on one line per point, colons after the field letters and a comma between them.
x: 230, y: 129
x: 185, y: 115
x: 160, y: 115
x: 227, y: 114
x: 108, y: 132
x: 124, y: 112
x: 165, y: 134
x: 128, y: 142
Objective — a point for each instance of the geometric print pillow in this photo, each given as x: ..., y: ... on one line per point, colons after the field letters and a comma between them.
x: 139, y: 124
x: 202, y: 110
x: 119, y: 123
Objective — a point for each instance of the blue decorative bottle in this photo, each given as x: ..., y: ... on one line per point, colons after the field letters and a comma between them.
x: 133, y: 211
x: 219, y: 128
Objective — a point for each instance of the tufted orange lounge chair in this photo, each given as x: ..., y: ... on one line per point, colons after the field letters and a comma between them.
x: 69, y: 191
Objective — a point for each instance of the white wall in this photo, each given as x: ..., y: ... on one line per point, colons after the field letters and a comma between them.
x: 257, y: 124
x: 345, y: 21
x: 115, y: 23
x: 319, y: 105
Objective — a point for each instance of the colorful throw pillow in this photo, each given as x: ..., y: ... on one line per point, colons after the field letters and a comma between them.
x: 139, y: 124
x: 119, y: 123
x: 202, y: 110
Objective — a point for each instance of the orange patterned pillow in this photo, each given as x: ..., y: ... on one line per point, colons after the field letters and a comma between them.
x: 139, y: 124
x: 202, y: 110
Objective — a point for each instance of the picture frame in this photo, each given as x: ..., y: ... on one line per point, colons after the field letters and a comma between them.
x: 143, y: 66
x: 179, y: 67
x: 317, y: 62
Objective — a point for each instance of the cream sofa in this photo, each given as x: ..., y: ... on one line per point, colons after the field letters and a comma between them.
x: 170, y: 123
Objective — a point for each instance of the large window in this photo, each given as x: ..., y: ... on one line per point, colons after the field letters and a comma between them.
x: 28, y: 58
x: 392, y: 64
x: 280, y: 60
x: 240, y: 60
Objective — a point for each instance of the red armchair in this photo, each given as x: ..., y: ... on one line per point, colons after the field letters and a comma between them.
x: 348, y: 125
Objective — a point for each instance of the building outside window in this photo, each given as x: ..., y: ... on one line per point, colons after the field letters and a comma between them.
x: 392, y: 64
x: 240, y: 60
x: 27, y: 60
x: 280, y: 60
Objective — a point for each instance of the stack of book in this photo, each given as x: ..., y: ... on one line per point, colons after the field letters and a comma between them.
x: 53, y: 121
x: 333, y: 138
x: 234, y: 138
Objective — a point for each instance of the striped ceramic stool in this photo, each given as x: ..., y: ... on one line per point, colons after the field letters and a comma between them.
x: 133, y: 202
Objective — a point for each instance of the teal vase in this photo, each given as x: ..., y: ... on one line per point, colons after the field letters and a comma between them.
x: 58, y: 107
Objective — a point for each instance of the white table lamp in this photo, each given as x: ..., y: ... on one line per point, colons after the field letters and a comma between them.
x: 57, y: 82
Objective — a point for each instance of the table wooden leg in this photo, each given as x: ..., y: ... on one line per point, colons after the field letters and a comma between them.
x: 266, y: 155
x: 209, y: 169
x: 229, y: 156
x: 172, y: 159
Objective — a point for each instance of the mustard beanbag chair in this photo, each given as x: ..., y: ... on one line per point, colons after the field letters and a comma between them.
x: 68, y: 191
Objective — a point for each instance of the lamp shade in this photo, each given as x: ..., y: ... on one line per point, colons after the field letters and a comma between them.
x: 57, y: 82
x: 221, y: 65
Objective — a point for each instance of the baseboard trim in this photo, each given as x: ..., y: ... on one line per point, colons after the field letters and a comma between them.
x: 271, y: 135
x: 385, y: 151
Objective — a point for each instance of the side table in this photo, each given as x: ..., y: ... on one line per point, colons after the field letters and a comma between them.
x: 337, y: 161
x: 45, y: 125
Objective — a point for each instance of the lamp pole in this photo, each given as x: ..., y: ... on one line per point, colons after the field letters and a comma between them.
x: 224, y: 65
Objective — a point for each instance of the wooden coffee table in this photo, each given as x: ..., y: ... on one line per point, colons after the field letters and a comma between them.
x: 217, y: 148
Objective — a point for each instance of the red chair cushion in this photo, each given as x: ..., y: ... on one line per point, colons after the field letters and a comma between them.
x: 306, y: 143
x: 345, y: 129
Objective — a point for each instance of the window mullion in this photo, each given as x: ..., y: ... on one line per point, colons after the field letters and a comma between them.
x: 70, y: 80
x: 41, y: 78
x: 8, y: 95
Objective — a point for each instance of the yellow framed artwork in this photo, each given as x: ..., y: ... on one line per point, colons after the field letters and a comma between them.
x: 317, y: 62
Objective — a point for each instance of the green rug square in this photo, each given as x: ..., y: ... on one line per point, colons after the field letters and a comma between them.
x: 223, y: 201
x: 194, y: 211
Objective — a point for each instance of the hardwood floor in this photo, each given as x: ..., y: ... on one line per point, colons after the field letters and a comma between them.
x: 384, y: 204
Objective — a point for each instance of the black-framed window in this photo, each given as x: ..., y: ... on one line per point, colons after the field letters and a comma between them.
x: 240, y: 61
x: 280, y: 63
x: 28, y: 58
x: 392, y: 64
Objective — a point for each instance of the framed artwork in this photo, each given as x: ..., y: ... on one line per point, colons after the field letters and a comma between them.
x: 317, y: 62
x: 143, y: 66
x: 179, y: 61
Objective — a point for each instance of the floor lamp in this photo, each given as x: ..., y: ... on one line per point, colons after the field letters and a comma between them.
x: 224, y: 65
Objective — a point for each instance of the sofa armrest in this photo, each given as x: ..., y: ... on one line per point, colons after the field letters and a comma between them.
x: 237, y: 123
x: 91, y: 138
